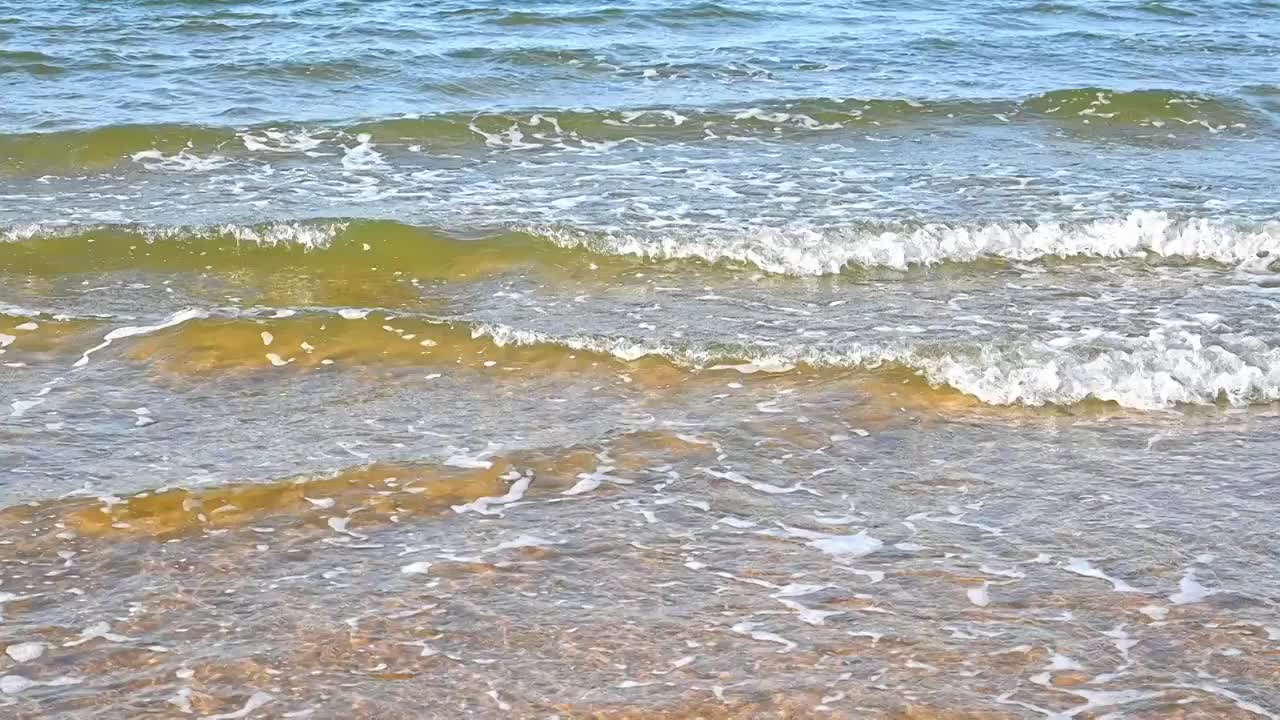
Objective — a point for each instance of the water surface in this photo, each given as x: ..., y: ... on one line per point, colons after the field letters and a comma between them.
x: 647, y: 359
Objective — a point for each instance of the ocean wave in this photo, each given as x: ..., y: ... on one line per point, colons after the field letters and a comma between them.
x: 308, y: 235
x: 102, y: 148
x: 1163, y: 110
x: 619, y: 348
x: 793, y: 250
x: 608, y: 15
x: 1165, y: 369
x: 1198, y: 362
x: 805, y: 251
x: 320, y: 69
x: 1138, y: 108
x: 321, y: 247
x: 1161, y: 370
x: 29, y: 61
x: 1157, y: 112
x: 521, y: 18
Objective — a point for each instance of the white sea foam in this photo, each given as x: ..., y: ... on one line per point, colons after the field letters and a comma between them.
x: 1159, y: 370
x: 1162, y: 369
x: 767, y: 488
x: 801, y: 250
x: 805, y: 250
x: 1083, y: 567
x: 416, y: 568
x: 1190, y: 590
x: 523, y: 541
x: 15, y: 684
x: 29, y: 231
x: 25, y: 651
x: 483, y: 505
x: 255, y: 701
x: 311, y: 235
x: 361, y: 156
x: 749, y: 629
x: 512, y: 138
x: 624, y: 349
x: 132, y: 331
x: 840, y: 546
x: 1168, y: 367
x: 182, y: 161
x: 281, y: 141
x: 308, y: 235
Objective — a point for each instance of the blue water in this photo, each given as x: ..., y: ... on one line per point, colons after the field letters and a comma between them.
x: 230, y: 63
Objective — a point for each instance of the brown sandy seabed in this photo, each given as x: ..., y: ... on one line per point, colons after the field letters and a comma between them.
x: 625, y: 578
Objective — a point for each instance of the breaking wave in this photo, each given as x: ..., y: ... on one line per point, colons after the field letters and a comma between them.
x: 1200, y: 363
x: 795, y: 250
x: 1084, y: 109
x: 807, y: 251
x: 1164, y: 369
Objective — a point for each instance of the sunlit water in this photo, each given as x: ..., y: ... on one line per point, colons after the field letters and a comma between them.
x: 642, y: 360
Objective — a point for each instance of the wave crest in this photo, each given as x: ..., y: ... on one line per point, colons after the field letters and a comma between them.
x: 1148, y: 112
x: 1161, y: 370
x: 794, y: 250
x: 1165, y: 369
x: 808, y: 251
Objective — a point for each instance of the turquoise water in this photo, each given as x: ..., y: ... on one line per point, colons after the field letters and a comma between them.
x: 649, y: 359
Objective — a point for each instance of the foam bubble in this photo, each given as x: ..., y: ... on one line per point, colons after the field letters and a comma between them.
x: 522, y: 541
x: 839, y: 546
x: 25, y: 651
x: 1080, y: 566
x: 361, y: 156
x: 280, y: 141
x: 738, y: 478
x: 254, y: 702
x: 749, y: 629
x: 482, y: 505
x: 417, y: 568
x: 979, y: 596
x: 182, y: 161
x: 1190, y: 590
x: 15, y: 684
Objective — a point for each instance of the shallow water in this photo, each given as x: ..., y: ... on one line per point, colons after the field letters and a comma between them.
x: 723, y: 360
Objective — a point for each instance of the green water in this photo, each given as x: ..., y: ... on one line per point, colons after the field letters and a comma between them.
x: 639, y: 360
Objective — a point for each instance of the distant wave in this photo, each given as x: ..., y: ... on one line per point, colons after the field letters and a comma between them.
x: 29, y: 61
x: 676, y: 15
x: 792, y: 250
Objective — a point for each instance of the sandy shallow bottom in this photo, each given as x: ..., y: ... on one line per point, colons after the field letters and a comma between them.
x: 222, y: 512
x: 650, y: 573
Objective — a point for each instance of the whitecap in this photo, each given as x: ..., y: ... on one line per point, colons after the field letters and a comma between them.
x: 801, y: 249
